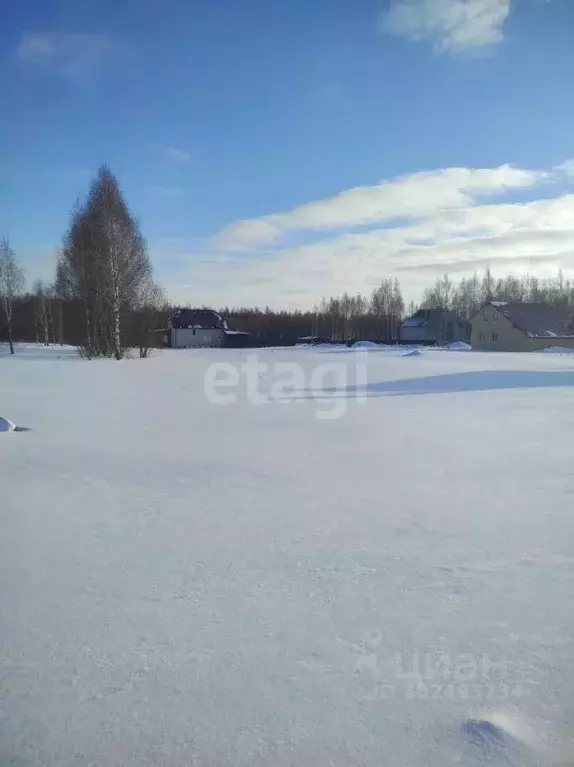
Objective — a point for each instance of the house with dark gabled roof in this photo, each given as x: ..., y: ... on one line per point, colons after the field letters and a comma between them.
x: 434, y: 326
x: 189, y: 328
x: 520, y: 327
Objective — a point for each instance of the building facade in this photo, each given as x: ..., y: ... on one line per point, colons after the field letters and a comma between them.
x: 189, y: 328
x: 520, y: 327
x: 202, y: 328
x: 434, y: 326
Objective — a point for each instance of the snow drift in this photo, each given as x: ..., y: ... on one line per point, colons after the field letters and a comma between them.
x: 6, y: 425
x: 366, y: 345
x: 556, y: 350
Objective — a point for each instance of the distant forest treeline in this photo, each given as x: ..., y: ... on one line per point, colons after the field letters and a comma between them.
x: 379, y: 316
x: 44, y: 316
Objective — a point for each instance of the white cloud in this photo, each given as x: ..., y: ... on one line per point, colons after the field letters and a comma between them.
x: 68, y: 54
x: 178, y: 156
x: 414, y: 195
x: 245, y: 234
x: 535, y: 236
x: 454, y: 25
x: 567, y: 168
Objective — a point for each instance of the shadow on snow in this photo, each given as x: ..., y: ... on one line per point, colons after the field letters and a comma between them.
x: 481, y: 380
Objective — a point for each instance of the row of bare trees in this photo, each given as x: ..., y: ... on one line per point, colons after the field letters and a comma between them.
x: 352, y: 317
x: 470, y: 293
x: 341, y: 318
x: 11, y: 286
x: 379, y: 316
x: 48, y: 314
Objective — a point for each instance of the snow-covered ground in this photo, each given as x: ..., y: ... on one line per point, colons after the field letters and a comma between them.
x: 191, y: 583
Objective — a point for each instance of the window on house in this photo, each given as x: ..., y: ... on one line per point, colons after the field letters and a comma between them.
x: 495, y: 317
x: 481, y: 336
x: 485, y: 317
x: 495, y: 337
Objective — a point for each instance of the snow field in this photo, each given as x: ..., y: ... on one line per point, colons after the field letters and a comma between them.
x: 191, y: 583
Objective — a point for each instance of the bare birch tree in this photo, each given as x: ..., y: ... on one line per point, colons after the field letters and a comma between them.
x: 104, y: 263
x: 11, y: 284
x: 76, y: 278
x: 152, y: 300
x: 42, y: 311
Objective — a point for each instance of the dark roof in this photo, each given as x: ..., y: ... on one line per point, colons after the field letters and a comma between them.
x: 422, y: 318
x: 198, y: 318
x: 536, y: 320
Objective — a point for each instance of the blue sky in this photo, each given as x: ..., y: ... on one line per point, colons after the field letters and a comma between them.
x: 276, y: 152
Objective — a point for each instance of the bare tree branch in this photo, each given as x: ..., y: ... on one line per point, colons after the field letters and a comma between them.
x: 11, y: 284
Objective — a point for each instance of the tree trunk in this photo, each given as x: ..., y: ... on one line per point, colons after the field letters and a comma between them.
x: 10, y: 340
x: 116, y: 328
x: 89, y: 338
x: 60, y: 321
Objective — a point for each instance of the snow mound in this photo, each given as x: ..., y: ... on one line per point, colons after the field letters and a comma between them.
x: 460, y: 346
x: 365, y: 345
x: 6, y: 425
x: 556, y: 350
x: 412, y: 353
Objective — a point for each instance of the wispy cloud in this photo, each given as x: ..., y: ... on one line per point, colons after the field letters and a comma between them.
x: 455, y: 26
x: 455, y: 220
x: 178, y: 156
x: 70, y: 54
x: 567, y: 168
x: 413, y: 195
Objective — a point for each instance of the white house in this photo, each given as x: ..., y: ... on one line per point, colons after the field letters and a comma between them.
x: 195, y: 328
